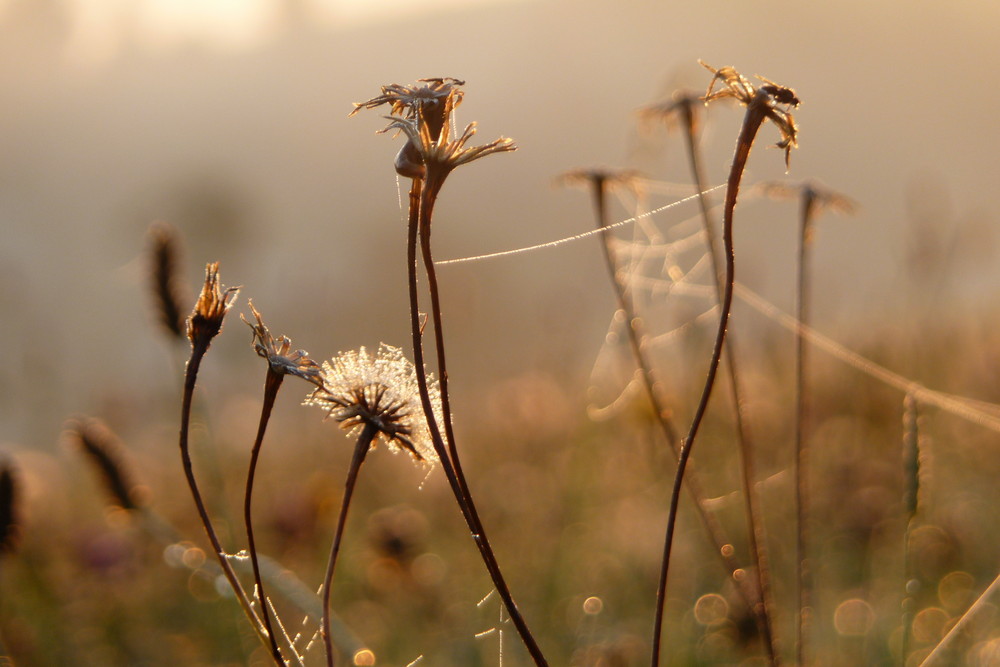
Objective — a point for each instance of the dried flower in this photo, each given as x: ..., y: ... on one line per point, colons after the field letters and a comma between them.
x: 771, y: 100
x: 277, y: 354
x: 683, y: 103
x: 816, y: 195
x: 205, y: 321
x: 423, y: 113
x: 437, y: 151
x: 381, y: 391
x: 599, y: 177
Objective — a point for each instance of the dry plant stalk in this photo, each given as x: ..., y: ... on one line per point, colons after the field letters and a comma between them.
x: 204, y: 324
x: 684, y: 106
x: 814, y: 198
x: 280, y: 362
x: 423, y: 113
x: 769, y: 101
x: 375, y: 398
x: 601, y: 181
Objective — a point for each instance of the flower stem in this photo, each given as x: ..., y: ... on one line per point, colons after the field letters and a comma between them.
x: 804, y: 575
x: 272, y: 382
x: 716, y: 532
x: 360, y: 450
x: 422, y: 198
x: 751, y: 123
x: 190, y: 378
x: 763, y: 606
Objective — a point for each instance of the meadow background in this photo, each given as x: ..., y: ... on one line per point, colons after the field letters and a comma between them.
x: 229, y: 120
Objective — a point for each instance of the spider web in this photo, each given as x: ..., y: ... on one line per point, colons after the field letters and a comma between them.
x: 665, y: 266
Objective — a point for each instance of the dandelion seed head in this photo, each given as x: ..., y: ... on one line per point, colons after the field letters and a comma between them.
x: 381, y: 390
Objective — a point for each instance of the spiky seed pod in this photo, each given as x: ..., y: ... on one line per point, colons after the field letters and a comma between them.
x: 205, y: 321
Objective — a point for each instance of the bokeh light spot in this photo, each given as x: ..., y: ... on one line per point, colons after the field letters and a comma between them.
x: 364, y: 658
x: 710, y: 608
x: 853, y: 618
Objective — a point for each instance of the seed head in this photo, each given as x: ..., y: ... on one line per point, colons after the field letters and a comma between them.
x: 818, y: 197
x: 277, y: 354
x: 599, y: 177
x: 682, y: 107
x: 771, y: 100
x: 205, y: 321
x: 361, y: 390
x: 423, y: 114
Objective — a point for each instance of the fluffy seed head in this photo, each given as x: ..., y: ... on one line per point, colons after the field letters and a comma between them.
x: 360, y: 389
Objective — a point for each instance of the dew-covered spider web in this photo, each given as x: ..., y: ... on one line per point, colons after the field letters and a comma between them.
x: 662, y: 257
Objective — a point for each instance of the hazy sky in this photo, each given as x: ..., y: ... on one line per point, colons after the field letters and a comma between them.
x: 228, y: 118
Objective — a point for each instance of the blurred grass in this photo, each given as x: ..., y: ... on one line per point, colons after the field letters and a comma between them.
x: 576, y: 509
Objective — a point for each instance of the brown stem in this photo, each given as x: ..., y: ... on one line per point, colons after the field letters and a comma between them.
x: 804, y: 576
x: 272, y: 382
x: 360, y: 450
x: 716, y: 532
x: 763, y: 607
x: 422, y: 197
x: 751, y: 123
x: 190, y: 377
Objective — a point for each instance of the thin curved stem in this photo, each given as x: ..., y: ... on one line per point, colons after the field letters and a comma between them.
x: 190, y: 378
x: 716, y: 532
x: 751, y: 124
x: 360, y: 450
x: 804, y: 575
x: 428, y: 198
x: 763, y: 608
x: 272, y: 382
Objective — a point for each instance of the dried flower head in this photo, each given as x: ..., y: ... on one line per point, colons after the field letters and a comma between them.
x: 438, y: 152
x: 816, y: 196
x: 423, y: 113
x: 628, y: 180
x: 205, y: 321
x: 683, y: 106
x: 361, y: 390
x: 277, y: 354
x: 771, y: 100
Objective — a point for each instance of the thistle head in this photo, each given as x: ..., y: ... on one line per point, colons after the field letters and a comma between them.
x: 280, y: 360
x: 379, y: 391
x: 769, y: 100
x: 205, y: 321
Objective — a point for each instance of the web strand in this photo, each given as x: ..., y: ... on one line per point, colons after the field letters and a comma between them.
x: 576, y: 237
